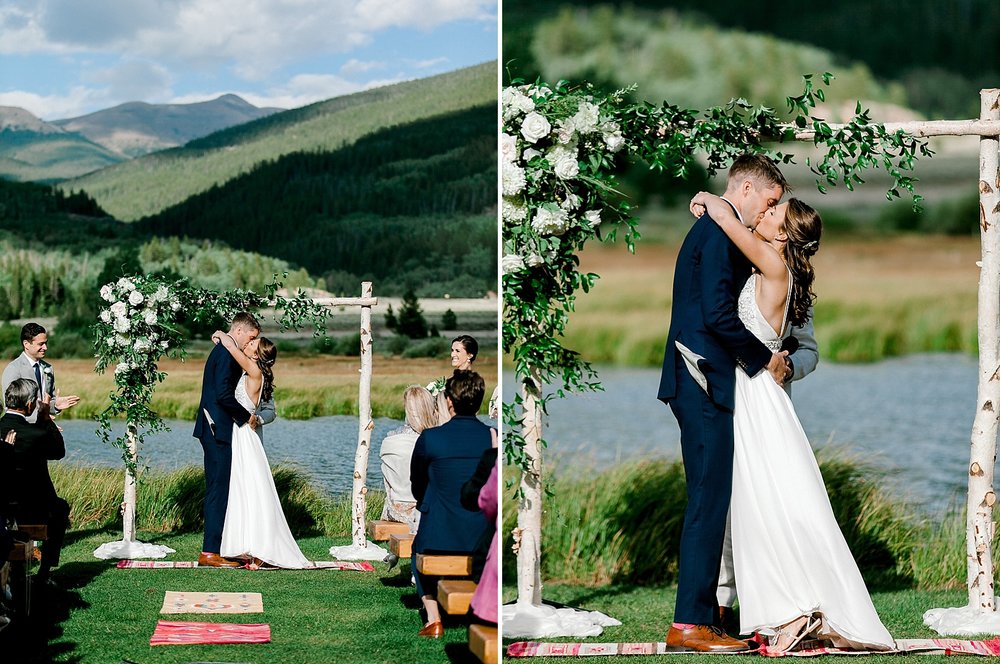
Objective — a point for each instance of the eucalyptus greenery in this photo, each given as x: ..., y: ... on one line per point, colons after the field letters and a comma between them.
x: 138, y: 325
x: 561, y: 147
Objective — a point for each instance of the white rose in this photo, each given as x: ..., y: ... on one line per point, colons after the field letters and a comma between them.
x: 515, y: 103
x: 508, y: 147
x: 566, y: 131
x: 534, y: 260
x: 161, y: 294
x: 567, y: 168
x: 106, y: 293
x: 175, y: 305
x: 586, y: 117
x: 535, y: 127
x: 572, y: 202
x: 119, y: 309
x: 105, y: 316
x: 150, y: 318
x: 513, y: 179
x: 126, y: 284
x: 512, y: 263
x: 163, y: 345
x: 121, y: 341
x: 512, y: 211
x: 142, y: 345
x: 593, y: 217
x: 530, y: 154
x: 135, y: 297
x: 121, y: 325
x: 615, y: 142
x: 550, y: 222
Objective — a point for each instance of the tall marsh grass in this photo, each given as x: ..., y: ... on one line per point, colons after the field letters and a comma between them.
x: 623, y: 525
x: 172, y: 502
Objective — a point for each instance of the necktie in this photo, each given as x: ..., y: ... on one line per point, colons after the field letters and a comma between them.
x: 38, y: 377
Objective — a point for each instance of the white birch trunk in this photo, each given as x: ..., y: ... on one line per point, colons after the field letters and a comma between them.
x: 984, y: 429
x: 529, y: 508
x: 365, y: 423
x: 129, y: 503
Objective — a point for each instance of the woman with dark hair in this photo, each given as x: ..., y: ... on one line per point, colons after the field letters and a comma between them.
x: 464, y: 350
x: 255, y: 528
x: 795, y: 575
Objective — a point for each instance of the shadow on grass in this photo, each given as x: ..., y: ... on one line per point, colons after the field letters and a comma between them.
x: 31, y: 635
x: 459, y: 653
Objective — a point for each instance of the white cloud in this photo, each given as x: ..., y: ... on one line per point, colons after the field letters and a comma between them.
x: 426, y: 64
x: 300, y: 90
x: 77, y: 101
x: 255, y: 37
x: 354, y: 67
x: 133, y: 79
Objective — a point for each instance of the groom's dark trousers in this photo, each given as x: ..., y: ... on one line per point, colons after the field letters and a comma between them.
x: 708, y: 278
x: 218, y: 397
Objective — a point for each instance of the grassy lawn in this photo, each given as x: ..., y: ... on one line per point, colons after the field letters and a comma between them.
x: 103, y: 614
x: 305, y: 386
x: 646, y: 613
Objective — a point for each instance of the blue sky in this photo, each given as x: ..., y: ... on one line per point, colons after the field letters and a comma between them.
x: 65, y: 58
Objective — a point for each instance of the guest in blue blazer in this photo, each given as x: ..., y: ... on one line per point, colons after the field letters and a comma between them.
x: 444, y: 457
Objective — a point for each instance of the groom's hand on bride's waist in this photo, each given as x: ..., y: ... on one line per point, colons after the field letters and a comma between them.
x: 777, y: 367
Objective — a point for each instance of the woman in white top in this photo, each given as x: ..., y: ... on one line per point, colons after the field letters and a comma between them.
x: 396, y: 450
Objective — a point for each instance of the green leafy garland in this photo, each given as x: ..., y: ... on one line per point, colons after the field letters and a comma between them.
x: 560, y: 149
x: 138, y: 325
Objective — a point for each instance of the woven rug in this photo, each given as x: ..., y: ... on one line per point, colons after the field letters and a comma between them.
x: 989, y: 648
x: 189, y: 564
x: 169, y: 633
x: 183, y: 602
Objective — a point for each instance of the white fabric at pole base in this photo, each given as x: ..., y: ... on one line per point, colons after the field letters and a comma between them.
x: 125, y: 550
x: 963, y: 620
x: 525, y: 620
x: 371, y: 551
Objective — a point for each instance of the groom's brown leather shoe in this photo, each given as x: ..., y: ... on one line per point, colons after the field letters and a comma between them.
x: 215, y: 560
x: 434, y: 630
x: 703, y: 638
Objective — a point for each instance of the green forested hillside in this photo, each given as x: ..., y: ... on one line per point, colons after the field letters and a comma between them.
x: 148, y: 185
x: 411, y: 206
x: 940, y: 51
x: 48, y: 157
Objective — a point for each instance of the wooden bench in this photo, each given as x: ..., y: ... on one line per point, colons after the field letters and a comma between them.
x: 455, y: 595
x: 380, y: 531
x: 401, y: 545
x: 442, y: 565
x: 483, y: 643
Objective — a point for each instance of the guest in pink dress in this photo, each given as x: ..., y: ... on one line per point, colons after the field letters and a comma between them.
x: 484, y: 600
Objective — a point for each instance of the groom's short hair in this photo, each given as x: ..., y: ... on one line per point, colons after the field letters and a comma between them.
x: 244, y: 319
x: 30, y: 331
x: 757, y: 167
x: 466, y: 390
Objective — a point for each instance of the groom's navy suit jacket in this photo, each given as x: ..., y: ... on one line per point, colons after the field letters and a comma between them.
x: 218, y: 396
x: 711, y: 271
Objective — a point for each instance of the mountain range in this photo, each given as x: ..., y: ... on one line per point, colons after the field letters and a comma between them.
x: 32, y: 149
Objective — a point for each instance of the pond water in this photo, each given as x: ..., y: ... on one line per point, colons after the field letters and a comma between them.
x: 911, y: 416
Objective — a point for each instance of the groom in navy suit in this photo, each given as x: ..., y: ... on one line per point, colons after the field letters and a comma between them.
x: 217, y: 413
x: 706, y: 343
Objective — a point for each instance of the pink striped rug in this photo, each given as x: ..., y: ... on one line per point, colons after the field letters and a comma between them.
x: 170, y: 633
x: 990, y: 648
x: 341, y: 565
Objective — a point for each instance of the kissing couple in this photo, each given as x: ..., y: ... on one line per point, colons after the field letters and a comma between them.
x: 743, y: 278
x: 244, y: 521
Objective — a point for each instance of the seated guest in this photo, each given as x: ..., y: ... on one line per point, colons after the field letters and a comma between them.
x: 484, y: 600
x: 444, y: 458
x: 396, y: 452
x: 35, y: 499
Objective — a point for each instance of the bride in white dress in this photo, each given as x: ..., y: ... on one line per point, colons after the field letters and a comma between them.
x: 255, y: 528
x: 795, y: 575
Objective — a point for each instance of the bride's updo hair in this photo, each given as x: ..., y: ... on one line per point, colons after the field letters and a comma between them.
x: 803, y: 227
x: 267, y: 353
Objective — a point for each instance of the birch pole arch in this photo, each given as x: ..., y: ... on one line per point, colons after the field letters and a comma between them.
x: 138, y: 326
x: 558, y: 149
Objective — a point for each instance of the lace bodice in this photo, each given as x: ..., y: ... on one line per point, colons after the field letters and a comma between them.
x: 241, y: 395
x: 754, y: 320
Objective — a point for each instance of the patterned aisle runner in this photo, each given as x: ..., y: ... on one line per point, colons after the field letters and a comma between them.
x: 184, y: 602
x: 190, y: 564
x: 989, y: 648
x: 168, y: 633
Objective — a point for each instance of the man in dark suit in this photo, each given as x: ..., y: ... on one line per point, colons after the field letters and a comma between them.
x: 443, y: 459
x: 34, y: 498
x: 705, y: 344
x: 217, y: 413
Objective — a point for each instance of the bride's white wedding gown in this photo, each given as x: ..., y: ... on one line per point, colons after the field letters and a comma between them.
x: 255, y: 523
x: 789, y: 555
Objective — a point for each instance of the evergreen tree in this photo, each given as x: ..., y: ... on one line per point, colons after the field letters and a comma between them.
x: 411, y: 321
x: 449, y: 320
x: 390, y: 320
